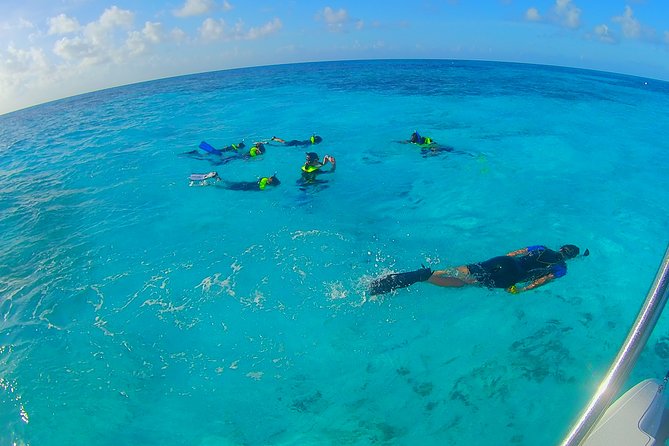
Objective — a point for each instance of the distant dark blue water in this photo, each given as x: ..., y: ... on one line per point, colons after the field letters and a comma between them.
x: 138, y: 310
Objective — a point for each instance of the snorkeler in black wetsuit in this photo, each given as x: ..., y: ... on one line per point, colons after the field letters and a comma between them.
x: 423, y: 141
x: 531, y: 267
x: 206, y: 179
x: 315, y: 139
x: 256, y: 149
x: 259, y: 185
x: 430, y: 147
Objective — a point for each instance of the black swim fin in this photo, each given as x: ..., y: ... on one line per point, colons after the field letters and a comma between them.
x: 392, y: 282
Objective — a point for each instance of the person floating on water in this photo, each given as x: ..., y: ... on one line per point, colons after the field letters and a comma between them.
x: 429, y: 146
x: 423, y: 141
x: 312, y: 165
x: 313, y: 168
x: 259, y: 185
x: 315, y: 139
x: 256, y: 149
x: 203, y: 179
x: 517, y: 271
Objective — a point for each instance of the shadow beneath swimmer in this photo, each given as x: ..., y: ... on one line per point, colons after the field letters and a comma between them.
x: 312, y: 185
x: 438, y: 150
x: 214, y: 159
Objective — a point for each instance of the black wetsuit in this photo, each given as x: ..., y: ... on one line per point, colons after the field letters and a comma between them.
x: 233, y: 147
x: 504, y: 271
x: 260, y: 149
x: 307, y: 142
x: 429, y: 147
x: 241, y: 185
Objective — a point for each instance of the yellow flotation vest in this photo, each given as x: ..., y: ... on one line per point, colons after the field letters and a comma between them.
x: 262, y: 184
x: 309, y: 169
x: 427, y: 142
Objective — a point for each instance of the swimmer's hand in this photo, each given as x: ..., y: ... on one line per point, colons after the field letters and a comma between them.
x: 513, y: 289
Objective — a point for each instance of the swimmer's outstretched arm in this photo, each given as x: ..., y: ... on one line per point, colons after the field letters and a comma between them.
x: 518, y: 252
x: 543, y: 280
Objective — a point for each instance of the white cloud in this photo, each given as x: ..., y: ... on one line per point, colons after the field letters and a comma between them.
x: 604, y: 34
x: 81, y: 57
x: 98, y: 40
x: 265, y: 30
x: 630, y: 26
x: 18, y: 25
x: 197, y: 7
x: 62, y: 24
x: 333, y: 17
x: 153, y: 32
x: 138, y: 41
x: 19, y: 61
x: 77, y: 50
x: 218, y: 30
x: 532, y: 14
x: 567, y: 13
x: 335, y: 20
x: 178, y: 35
x: 101, y: 32
x: 115, y: 17
x: 564, y: 13
x: 227, y: 6
x: 212, y: 29
x: 22, y: 71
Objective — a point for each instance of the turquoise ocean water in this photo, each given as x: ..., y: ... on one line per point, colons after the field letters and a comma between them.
x: 138, y: 310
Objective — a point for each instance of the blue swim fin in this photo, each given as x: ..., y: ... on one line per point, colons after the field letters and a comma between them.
x: 204, y: 145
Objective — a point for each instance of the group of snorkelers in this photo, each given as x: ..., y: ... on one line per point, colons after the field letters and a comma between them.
x: 313, y: 165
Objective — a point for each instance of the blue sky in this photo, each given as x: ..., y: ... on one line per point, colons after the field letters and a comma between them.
x: 51, y: 49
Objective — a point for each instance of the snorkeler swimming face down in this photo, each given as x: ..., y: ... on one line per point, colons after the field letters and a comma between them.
x: 517, y: 271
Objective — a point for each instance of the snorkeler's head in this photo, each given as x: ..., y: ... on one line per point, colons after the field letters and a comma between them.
x: 274, y: 181
x: 315, y: 139
x: 241, y: 145
x: 415, y: 136
x: 312, y: 157
x: 571, y: 251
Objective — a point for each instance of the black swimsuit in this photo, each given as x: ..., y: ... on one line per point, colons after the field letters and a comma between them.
x: 242, y: 185
x: 504, y: 271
